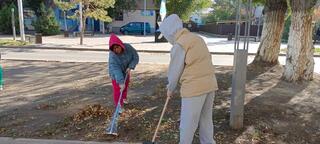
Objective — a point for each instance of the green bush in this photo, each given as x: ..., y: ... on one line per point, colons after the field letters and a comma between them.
x: 46, y: 22
x: 5, y: 19
x: 220, y: 15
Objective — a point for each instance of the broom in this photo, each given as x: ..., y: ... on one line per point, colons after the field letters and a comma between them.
x: 156, y: 131
x: 112, y: 128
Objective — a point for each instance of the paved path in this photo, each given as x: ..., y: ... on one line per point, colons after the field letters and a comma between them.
x: 102, y: 56
x: 100, y: 42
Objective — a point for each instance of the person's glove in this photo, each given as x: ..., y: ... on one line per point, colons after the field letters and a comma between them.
x: 122, y: 86
x: 169, y: 93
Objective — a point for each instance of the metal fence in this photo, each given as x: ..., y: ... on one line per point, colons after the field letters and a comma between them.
x: 225, y: 29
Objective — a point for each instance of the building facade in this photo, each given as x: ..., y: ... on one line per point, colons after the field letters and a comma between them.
x: 137, y: 15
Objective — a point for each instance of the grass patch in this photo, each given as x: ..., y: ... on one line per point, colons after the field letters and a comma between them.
x: 6, y: 42
x: 316, y: 50
x: 283, y: 50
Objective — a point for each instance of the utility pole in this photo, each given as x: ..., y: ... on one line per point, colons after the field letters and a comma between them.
x: 144, y: 13
x: 21, y: 22
x: 13, y: 24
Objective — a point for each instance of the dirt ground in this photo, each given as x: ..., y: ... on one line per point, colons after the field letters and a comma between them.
x: 74, y: 101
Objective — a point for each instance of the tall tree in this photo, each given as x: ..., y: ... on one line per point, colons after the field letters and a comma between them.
x: 222, y: 10
x: 299, y: 61
x: 96, y: 9
x: 121, y: 6
x: 5, y: 18
x: 34, y: 5
x: 46, y: 22
x: 185, y: 8
x: 274, y: 20
x: 7, y: 2
x: 64, y: 6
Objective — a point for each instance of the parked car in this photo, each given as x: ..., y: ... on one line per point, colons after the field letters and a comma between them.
x: 135, y: 28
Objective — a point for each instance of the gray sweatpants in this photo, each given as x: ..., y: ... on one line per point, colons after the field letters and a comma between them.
x: 197, y: 111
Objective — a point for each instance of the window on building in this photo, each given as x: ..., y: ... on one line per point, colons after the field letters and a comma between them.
x: 119, y: 16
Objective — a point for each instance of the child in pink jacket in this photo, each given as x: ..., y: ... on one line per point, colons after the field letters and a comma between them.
x: 122, y: 59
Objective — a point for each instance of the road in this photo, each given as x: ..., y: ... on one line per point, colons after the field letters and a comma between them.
x: 101, y: 56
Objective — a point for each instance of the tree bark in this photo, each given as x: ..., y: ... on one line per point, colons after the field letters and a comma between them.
x: 82, y: 30
x: 65, y: 21
x: 269, y: 48
x: 299, y: 62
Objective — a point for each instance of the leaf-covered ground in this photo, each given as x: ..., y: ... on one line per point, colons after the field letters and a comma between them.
x: 74, y: 101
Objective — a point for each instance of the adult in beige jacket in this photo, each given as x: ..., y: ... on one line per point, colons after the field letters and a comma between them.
x: 191, y: 65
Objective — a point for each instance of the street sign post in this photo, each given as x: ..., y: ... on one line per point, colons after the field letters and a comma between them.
x: 240, y: 68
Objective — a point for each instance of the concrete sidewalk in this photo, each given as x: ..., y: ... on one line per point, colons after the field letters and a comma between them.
x: 97, y: 43
x: 141, y: 43
x: 8, y: 140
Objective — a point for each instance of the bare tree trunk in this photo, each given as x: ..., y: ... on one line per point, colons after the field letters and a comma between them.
x: 82, y: 22
x: 300, y: 62
x: 82, y: 30
x: 273, y: 26
x: 65, y: 21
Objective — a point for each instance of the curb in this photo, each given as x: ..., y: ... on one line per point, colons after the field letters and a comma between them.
x: 212, y: 35
x: 106, y: 50
x: 79, y: 49
x: 55, y: 48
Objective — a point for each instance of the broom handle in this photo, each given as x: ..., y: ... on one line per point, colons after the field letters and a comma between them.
x: 118, y: 104
x: 164, y: 109
x: 125, y: 81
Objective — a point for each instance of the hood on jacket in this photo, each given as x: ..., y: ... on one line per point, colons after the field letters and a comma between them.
x: 115, y: 40
x: 170, y: 26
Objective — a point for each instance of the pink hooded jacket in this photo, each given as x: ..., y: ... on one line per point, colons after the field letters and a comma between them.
x: 115, y: 40
x: 118, y: 64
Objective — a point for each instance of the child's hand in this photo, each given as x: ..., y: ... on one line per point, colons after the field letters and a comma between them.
x: 122, y: 86
x: 128, y: 70
x: 169, y: 93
